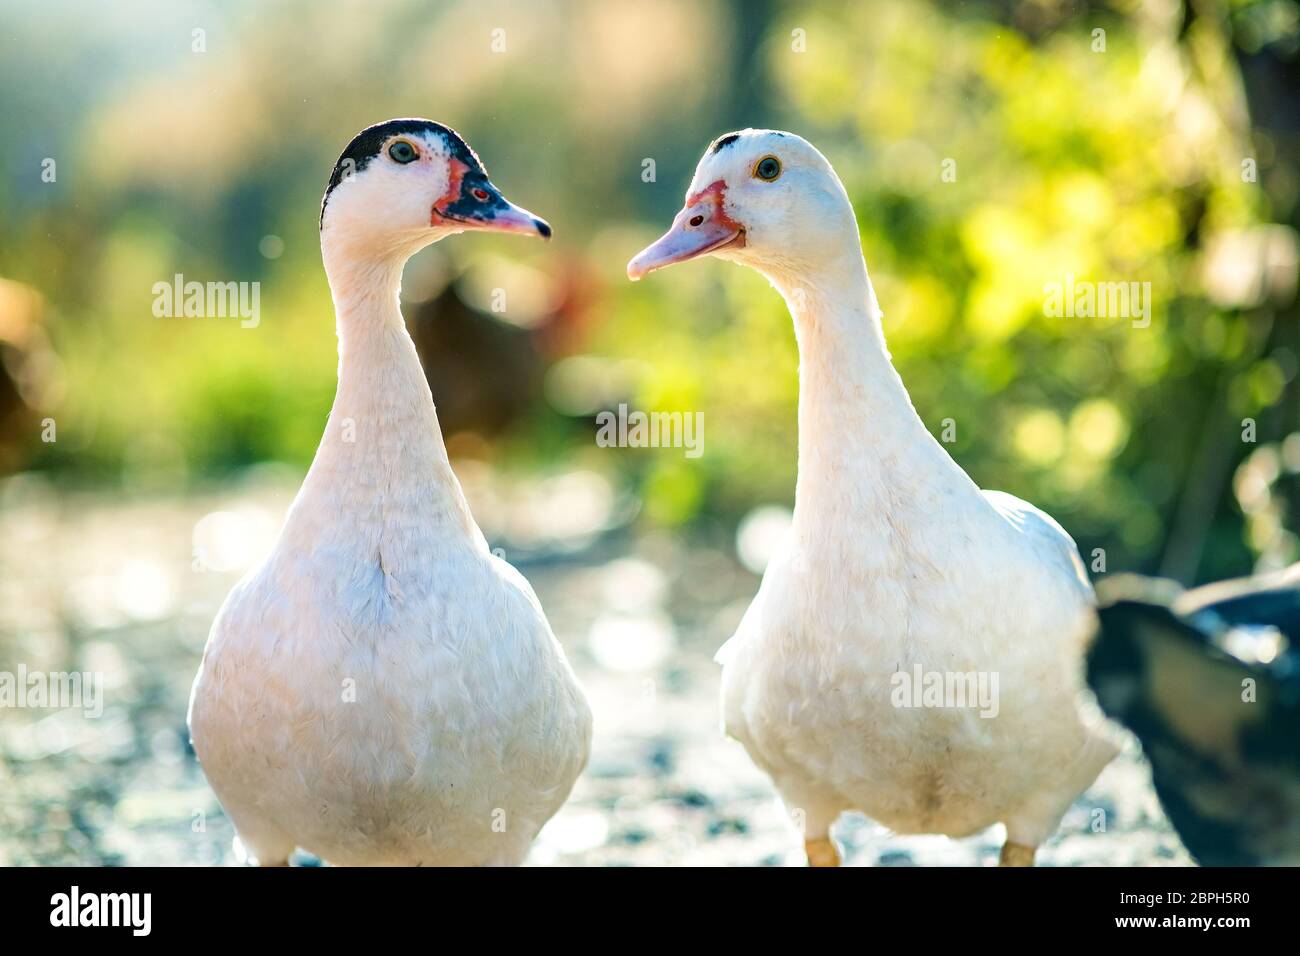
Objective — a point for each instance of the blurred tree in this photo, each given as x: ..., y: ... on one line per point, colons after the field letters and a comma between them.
x: 993, y: 152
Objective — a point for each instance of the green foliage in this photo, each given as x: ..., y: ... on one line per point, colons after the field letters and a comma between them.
x: 1104, y: 166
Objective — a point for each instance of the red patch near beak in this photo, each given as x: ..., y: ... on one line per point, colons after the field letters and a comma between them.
x: 702, y: 227
x: 716, y: 194
x: 456, y: 171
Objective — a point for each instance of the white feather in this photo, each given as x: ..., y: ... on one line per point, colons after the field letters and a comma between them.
x: 895, y: 560
x: 384, y: 690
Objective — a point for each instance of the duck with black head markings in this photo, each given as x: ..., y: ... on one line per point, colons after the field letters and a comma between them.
x: 436, y: 180
x: 383, y: 689
x: 896, y: 561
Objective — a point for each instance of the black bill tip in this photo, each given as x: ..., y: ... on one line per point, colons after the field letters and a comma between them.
x: 543, y: 227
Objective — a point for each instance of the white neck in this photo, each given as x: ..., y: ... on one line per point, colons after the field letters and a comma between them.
x: 381, y: 486
x: 864, y: 453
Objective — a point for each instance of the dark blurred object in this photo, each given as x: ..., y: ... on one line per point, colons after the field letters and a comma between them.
x: 1209, y: 681
x: 27, y: 371
x: 486, y: 373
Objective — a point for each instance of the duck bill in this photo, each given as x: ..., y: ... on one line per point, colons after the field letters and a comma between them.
x: 507, y: 217
x: 475, y: 203
x: 685, y: 241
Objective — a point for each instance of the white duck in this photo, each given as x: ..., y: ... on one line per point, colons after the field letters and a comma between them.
x: 896, y: 560
x: 383, y: 689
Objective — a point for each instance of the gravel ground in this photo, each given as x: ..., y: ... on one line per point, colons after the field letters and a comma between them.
x: 127, y: 586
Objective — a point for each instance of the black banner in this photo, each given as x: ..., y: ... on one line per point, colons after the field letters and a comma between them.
x: 329, y: 905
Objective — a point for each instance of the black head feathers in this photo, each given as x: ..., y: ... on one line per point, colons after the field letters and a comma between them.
x: 366, y: 145
x: 722, y: 142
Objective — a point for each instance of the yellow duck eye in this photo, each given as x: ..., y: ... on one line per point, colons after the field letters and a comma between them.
x: 403, y: 152
x: 767, y: 168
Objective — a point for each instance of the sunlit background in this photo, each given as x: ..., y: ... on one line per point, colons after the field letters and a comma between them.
x: 991, y: 149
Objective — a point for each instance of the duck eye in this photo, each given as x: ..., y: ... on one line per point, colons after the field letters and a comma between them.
x: 480, y: 194
x: 403, y: 152
x: 768, y: 168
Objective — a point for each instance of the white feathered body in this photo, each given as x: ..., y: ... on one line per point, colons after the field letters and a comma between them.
x: 809, y: 681
x: 434, y: 734
x: 383, y: 689
x: 897, y: 561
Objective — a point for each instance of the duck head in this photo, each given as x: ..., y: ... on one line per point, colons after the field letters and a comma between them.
x: 403, y: 184
x: 762, y: 198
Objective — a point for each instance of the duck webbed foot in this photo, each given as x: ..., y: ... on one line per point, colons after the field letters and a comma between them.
x: 822, y: 852
x: 1017, y: 854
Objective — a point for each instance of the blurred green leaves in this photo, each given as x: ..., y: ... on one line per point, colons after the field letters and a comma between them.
x: 990, y: 152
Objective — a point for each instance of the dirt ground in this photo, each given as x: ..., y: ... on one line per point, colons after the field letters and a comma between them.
x: 127, y: 587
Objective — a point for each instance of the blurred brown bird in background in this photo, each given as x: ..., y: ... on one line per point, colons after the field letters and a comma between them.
x: 28, y: 374
x: 486, y: 369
